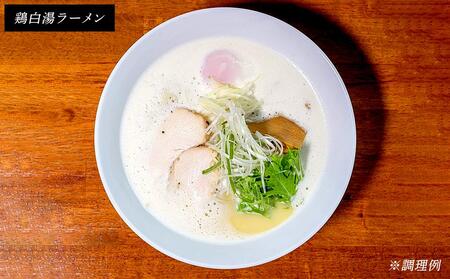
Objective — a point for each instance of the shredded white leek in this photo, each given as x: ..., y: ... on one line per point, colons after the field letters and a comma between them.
x: 228, y: 107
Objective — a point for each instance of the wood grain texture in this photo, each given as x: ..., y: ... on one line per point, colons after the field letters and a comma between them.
x: 56, y: 220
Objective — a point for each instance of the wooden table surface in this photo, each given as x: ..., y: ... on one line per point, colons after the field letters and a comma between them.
x: 56, y: 220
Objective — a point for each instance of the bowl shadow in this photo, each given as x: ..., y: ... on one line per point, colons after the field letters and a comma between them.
x: 359, y: 78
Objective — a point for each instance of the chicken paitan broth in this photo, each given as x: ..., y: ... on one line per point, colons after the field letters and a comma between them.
x: 189, y: 155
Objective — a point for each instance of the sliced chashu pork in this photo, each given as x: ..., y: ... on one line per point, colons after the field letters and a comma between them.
x: 181, y: 130
x: 186, y: 172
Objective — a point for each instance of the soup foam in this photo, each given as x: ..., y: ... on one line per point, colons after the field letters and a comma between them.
x: 175, y: 80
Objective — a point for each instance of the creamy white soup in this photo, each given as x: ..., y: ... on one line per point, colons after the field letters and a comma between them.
x: 177, y: 80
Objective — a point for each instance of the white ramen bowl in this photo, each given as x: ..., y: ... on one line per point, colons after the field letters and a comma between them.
x: 331, y: 93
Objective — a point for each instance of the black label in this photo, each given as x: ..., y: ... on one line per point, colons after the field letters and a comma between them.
x: 59, y: 18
